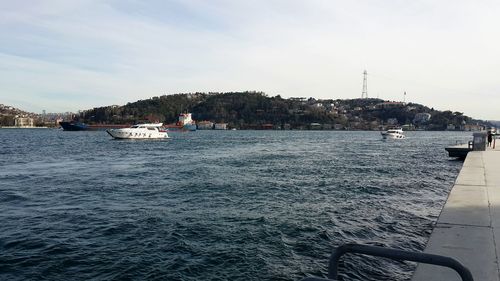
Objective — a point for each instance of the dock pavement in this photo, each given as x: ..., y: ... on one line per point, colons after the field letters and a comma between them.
x: 468, y: 228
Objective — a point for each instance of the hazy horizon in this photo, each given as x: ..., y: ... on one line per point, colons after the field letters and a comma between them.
x: 63, y: 56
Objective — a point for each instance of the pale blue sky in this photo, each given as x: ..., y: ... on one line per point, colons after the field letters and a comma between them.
x: 61, y: 55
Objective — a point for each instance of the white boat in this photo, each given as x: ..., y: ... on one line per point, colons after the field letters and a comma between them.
x: 140, y: 131
x: 396, y: 133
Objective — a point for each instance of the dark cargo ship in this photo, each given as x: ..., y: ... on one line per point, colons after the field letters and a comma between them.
x: 79, y: 126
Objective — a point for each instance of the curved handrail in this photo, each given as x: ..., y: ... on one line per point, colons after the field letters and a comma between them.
x: 395, y: 254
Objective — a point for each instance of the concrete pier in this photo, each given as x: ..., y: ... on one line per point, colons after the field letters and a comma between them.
x: 459, y: 151
x: 468, y: 228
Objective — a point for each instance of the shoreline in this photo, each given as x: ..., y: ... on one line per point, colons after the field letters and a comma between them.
x: 468, y: 227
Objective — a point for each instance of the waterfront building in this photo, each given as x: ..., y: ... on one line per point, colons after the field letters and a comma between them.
x: 220, y: 126
x: 205, y: 125
x: 473, y: 127
x: 24, y: 122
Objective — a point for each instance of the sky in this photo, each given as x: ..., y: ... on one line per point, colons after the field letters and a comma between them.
x: 59, y: 55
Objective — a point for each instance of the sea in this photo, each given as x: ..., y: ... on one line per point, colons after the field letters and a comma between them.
x: 216, y: 205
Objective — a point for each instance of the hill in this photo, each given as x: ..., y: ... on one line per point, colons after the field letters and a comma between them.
x: 256, y: 110
x: 9, y: 113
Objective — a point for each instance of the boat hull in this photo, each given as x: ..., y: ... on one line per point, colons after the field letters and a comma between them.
x: 78, y: 126
x: 392, y: 136
x: 186, y: 127
x: 73, y: 126
x: 190, y: 127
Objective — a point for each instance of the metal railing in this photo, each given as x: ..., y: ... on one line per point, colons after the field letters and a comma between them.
x: 394, y: 254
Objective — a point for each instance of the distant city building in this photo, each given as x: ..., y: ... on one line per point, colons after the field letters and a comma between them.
x: 24, y: 122
x: 57, y: 121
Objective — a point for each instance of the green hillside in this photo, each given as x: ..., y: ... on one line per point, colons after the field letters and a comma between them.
x: 256, y: 110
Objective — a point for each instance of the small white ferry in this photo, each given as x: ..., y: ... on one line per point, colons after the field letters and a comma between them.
x: 140, y: 131
x: 395, y: 133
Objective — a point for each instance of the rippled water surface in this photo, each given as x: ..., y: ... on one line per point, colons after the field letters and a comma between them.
x: 215, y: 205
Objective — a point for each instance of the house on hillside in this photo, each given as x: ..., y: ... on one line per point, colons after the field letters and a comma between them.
x: 421, y: 118
x: 390, y: 104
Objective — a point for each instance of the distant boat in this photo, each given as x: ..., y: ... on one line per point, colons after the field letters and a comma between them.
x: 79, y: 126
x: 185, y: 123
x: 73, y: 126
x: 140, y: 131
x: 395, y: 133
